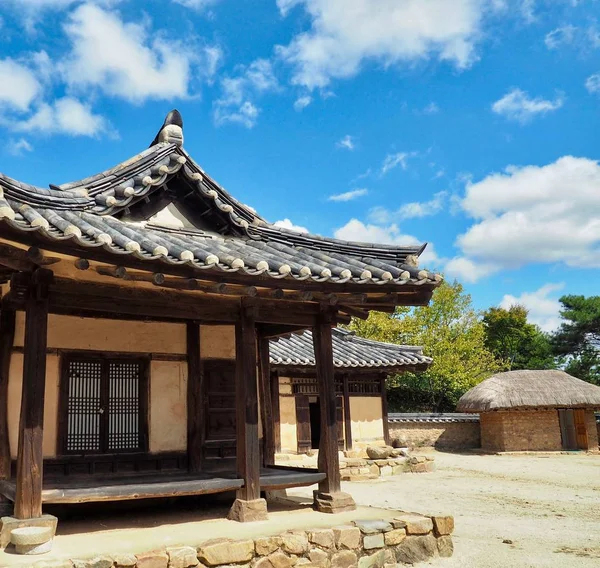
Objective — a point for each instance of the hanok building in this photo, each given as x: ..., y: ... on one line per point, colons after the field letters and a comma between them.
x: 534, y: 410
x: 137, y: 308
x: 361, y: 367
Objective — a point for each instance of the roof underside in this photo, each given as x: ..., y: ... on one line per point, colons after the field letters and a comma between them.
x: 114, y: 212
x: 530, y: 389
x: 349, y: 351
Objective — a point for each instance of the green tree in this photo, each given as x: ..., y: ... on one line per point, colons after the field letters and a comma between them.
x: 577, y: 341
x: 451, y: 332
x: 522, y: 345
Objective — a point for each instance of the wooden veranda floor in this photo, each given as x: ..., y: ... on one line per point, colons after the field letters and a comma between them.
x: 86, y: 489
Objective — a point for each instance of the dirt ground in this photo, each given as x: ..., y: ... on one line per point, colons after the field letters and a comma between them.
x: 511, y: 511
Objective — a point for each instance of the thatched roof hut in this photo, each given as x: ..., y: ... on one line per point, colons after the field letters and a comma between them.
x: 534, y: 410
x: 530, y: 389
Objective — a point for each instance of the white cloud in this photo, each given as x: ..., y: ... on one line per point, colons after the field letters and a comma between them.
x: 125, y: 59
x: 561, y: 36
x: 196, y: 4
x: 287, y: 224
x: 302, y: 102
x: 517, y: 105
x: 467, y: 270
x: 65, y: 116
x: 391, y: 161
x: 543, y: 305
x: 346, y: 142
x: 423, y: 209
x: 235, y: 104
x: 18, y: 147
x: 431, y: 108
x: 533, y: 214
x: 355, y: 230
x: 345, y: 34
x: 348, y: 195
x: 19, y: 86
x: 592, y: 83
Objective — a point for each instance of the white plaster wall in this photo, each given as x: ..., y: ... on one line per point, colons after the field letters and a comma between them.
x: 168, y: 406
x: 217, y: 341
x: 367, y: 418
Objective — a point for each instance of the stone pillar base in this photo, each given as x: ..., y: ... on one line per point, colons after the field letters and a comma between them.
x: 248, y: 511
x: 11, y: 523
x: 333, y: 502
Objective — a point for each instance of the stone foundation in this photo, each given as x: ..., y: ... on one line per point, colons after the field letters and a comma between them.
x: 407, y: 539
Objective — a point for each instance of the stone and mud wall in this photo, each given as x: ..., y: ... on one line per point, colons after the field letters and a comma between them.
x: 447, y: 434
x: 407, y: 539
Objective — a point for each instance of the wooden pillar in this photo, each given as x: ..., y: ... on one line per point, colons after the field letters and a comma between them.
x: 347, y: 416
x: 195, y: 415
x: 28, y: 496
x: 266, y: 406
x: 384, y: 412
x: 7, y: 336
x: 248, y: 506
x: 276, y: 411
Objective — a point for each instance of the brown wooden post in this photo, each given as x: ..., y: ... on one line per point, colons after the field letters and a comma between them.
x: 266, y: 406
x: 347, y: 417
x: 248, y: 506
x: 384, y: 412
x: 276, y: 411
x: 195, y: 417
x: 329, y: 498
x: 7, y: 336
x: 28, y: 496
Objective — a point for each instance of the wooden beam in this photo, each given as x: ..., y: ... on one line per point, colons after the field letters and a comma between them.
x: 28, y: 497
x: 246, y: 398
x: 266, y: 405
x: 274, y: 330
x: 347, y: 416
x: 354, y: 312
x: 276, y: 411
x: 7, y: 336
x: 195, y: 415
x: 384, y: 412
x: 329, y: 462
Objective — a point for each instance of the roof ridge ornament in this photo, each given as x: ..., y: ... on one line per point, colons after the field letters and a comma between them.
x: 171, y: 131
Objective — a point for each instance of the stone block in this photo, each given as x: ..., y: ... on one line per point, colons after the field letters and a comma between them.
x: 379, y: 452
x: 97, y: 562
x: 319, y: 557
x: 346, y: 537
x: 343, y: 465
x: 152, y: 560
x: 275, y: 560
x: 294, y: 542
x: 126, y: 560
x: 364, y: 471
x: 344, y: 559
x: 224, y: 551
x: 398, y: 469
x: 386, y: 471
x: 371, y: 541
x: 395, y: 537
x: 416, y: 524
x: 374, y: 469
x: 445, y: 546
x: 182, y: 557
x: 373, y: 526
x: 376, y: 560
x: 333, y: 502
x: 248, y: 511
x: 32, y: 549
x: 416, y: 549
x: 267, y: 545
x: 10, y: 523
x: 322, y: 537
x: 443, y: 525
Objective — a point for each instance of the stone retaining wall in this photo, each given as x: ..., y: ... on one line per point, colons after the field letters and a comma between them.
x: 408, y: 539
x: 358, y: 469
x: 449, y: 435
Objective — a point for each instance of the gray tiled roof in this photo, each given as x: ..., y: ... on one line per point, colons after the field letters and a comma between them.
x: 95, y: 213
x: 432, y: 417
x: 349, y: 351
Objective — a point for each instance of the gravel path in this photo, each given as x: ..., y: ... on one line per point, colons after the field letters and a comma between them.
x: 511, y: 511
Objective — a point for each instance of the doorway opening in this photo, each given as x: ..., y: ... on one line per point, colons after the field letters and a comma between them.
x: 572, y: 429
x: 315, y: 424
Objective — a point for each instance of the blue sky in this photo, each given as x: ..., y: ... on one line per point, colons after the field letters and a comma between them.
x: 469, y: 124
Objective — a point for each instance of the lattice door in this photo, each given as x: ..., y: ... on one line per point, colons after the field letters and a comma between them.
x: 103, y: 400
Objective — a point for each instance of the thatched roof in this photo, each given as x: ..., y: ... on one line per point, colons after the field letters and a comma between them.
x: 530, y: 389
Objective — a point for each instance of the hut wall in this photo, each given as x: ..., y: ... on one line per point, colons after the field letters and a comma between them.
x: 367, y: 419
x: 168, y: 378
x: 592, y: 429
x: 521, y: 430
